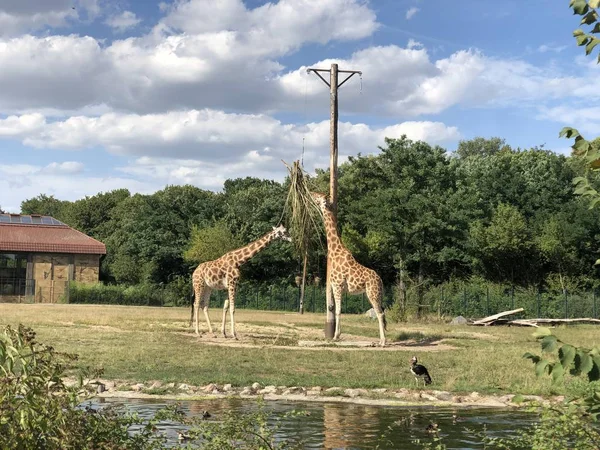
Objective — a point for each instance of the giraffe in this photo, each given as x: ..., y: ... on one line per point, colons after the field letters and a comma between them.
x: 347, y: 274
x: 224, y: 273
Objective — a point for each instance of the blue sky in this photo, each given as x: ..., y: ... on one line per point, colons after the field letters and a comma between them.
x: 103, y: 94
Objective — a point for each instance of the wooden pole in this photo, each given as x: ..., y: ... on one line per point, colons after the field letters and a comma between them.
x: 333, y: 172
x: 303, y: 284
x: 333, y: 159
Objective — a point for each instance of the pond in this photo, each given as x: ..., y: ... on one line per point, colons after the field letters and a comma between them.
x: 352, y: 426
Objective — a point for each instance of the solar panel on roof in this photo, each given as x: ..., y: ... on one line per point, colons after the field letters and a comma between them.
x: 33, y: 219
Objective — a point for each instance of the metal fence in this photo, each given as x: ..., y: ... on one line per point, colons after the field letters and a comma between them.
x: 468, y: 300
x: 537, y: 303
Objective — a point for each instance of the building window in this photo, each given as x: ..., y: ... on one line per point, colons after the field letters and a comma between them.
x: 13, y: 273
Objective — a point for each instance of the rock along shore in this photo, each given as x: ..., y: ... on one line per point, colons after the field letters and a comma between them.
x: 376, y: 397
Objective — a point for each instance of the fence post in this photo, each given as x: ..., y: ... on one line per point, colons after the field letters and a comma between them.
x: 566, y: 304
x: 487, y: 300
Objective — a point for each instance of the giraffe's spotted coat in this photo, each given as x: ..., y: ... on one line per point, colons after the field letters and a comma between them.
x: 347, y: 274
x: 224, y: 273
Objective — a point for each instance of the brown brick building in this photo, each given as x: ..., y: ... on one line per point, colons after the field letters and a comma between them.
x: 40, y: 255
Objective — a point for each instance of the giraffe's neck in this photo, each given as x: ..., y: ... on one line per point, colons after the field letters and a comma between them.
x: 245, y: 253
x: 333, y: 239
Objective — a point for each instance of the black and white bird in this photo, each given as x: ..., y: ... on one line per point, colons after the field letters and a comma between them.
x: 419, y: 371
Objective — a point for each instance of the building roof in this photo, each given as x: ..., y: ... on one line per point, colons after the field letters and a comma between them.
x: 44, y: 234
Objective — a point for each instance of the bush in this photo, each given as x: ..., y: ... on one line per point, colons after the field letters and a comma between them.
x: 39, y: 411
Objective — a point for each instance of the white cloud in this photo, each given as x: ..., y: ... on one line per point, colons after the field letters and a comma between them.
x: 273, y: 28
x: 65, y: 168
x: 64, y: 180
x: 410, y: 12
x: 17, y: 16
x: 264, y: 161
x: 585, y: 119
x: 188, y: 61
x: 551, y: 48
x: 123, y: 21
x: 206, y: 135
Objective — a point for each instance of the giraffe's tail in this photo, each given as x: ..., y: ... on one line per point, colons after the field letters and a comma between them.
x: 384, y: 319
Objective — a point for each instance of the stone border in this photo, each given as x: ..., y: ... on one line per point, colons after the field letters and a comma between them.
x: 376, y: 397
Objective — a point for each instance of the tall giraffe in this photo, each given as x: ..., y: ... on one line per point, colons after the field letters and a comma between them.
x: 224, y: 273
x: 347, y: 274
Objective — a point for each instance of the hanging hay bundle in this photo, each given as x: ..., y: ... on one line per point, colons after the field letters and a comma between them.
x: 303, y: 213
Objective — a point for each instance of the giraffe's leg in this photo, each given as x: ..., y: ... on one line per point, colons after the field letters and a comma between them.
x: 337, y: 297
x: 374, y: 295
x: 204, y: 303
x: 197, y: 295
x: 225, y: 308
x: 232, y: 289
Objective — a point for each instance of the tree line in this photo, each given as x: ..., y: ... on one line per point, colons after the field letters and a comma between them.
x: 415, y: 213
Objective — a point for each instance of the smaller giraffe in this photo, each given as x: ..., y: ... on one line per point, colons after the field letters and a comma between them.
x: 347, y: 274
x: 224, y: 273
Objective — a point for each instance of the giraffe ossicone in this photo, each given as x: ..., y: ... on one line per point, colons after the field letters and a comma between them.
x: 346, y: 274
x: 224, y: 273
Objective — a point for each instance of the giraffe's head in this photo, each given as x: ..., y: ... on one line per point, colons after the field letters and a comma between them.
x: 320, y: 199
x: 281, y: 233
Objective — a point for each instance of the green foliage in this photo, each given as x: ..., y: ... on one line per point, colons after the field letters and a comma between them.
x: 38, y: 410
x: 210, y: 243
x: 480, y: 146
x: 559, y: 358
x: 45, y: 205
x: 588, y: 151
x: 176, y: 293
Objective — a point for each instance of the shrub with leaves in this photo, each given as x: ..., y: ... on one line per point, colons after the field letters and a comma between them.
x: 559, y: 359
x: 588, y: 150
x: 39, y: 411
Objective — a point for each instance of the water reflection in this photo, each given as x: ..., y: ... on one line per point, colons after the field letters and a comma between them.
x: 350, y: 426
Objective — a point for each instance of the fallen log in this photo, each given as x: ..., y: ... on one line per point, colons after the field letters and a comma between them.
x: 490, y: 319
x: 537, y: 322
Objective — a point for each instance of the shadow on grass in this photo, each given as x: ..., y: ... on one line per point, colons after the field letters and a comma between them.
x: 416, y: 336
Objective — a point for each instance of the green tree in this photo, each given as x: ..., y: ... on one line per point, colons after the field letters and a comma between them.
x: 480, y: 146
x: 253, y: 207
x: 400, y: 204
x: 46, y: 206
x: 504, y: 246
x: 210, y: 243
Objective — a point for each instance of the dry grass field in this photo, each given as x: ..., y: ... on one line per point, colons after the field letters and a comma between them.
x: 145, y: 343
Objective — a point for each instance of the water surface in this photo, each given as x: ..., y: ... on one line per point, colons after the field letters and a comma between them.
x: 349, y: 426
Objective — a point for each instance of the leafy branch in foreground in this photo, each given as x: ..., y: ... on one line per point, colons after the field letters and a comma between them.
x: 588, y: 150
x: 39, y: 410
x: 559, y: 358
